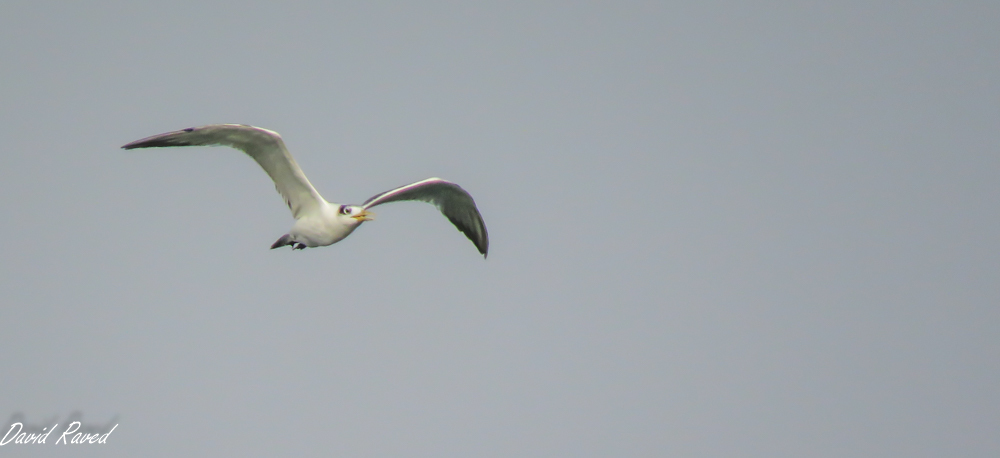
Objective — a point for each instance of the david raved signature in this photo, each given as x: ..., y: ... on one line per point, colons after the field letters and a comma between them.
x: 75, y: 432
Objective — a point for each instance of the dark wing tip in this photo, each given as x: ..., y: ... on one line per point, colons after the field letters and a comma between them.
x: 167, y: 139
x: 475, y: 232
x: 156, y: 142
x: 484, y: 247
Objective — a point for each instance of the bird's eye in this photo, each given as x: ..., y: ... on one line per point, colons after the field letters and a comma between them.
x: 345, y: 210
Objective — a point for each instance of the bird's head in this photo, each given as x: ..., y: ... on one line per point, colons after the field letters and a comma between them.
x: 354, y: 215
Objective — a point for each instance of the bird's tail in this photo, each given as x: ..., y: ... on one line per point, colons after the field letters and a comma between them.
x: 285, y: 240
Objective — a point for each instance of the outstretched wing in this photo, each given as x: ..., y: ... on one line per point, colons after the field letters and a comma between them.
x: 454, y: 202
x: 264, y: 146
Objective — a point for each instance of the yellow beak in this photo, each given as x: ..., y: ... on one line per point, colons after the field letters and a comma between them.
x: 364, y: 216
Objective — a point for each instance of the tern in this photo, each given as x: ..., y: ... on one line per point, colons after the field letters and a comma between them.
x: 318, y: 222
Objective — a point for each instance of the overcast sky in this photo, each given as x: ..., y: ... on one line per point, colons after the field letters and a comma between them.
x: 720, y: 230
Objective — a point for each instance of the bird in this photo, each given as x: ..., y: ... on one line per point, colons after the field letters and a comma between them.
x: 319, y: 222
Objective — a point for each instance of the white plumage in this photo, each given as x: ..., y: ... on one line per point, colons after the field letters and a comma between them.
x: 318, y: 222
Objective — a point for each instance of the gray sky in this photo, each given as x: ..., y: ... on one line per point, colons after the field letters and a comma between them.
x: 716, y: 230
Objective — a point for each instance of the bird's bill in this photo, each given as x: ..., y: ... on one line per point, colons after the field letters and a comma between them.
x: 364, y: 216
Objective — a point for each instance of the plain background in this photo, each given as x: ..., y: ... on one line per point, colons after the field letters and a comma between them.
x: 740, y: 229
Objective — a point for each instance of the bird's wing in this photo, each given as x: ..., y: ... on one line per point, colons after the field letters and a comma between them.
x: 453, y: 201
x: 264, y: 146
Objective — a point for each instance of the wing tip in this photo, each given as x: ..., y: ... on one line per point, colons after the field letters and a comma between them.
x: 482, y: 243
x: 167, y: 139
x: 133, y: 145
x: 156, y: 143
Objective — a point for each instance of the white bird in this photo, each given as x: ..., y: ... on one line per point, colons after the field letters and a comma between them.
x: 318, y: 222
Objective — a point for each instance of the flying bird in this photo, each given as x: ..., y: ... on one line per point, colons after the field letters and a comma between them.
x: 318, y: 222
